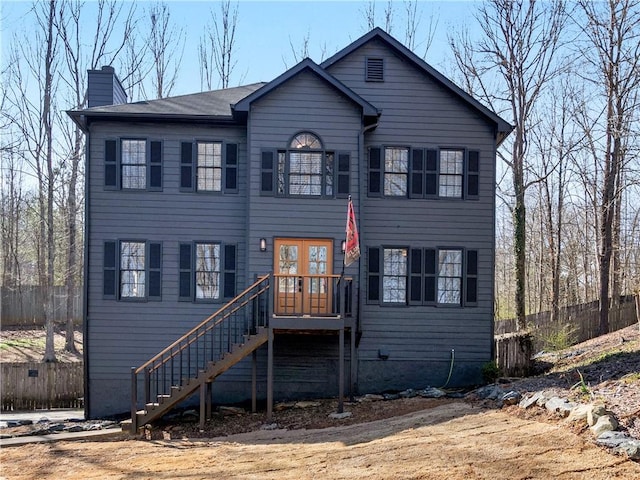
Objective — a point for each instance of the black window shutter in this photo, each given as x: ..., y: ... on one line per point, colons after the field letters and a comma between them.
x: 110, y: 164
x: 155, y: 271
x: 430, y: 268
x: 344, y: 160
x: 373, y: 270
x: 417, y: 173
x: 267, y: 173
x: 471, y: 278
x: 415, y: 277
x: 231, y: 168
x: 473, y: 170
x: 185, y: 287
x: 110, y: 265
x: 229, y: 271
x: 155, y: 165
x: 431, y: 174
x: 375, y: 171
x: 186, y: 166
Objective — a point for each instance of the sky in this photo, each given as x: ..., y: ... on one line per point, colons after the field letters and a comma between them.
x: 266, y: 30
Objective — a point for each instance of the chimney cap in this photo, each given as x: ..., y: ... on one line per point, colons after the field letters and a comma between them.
x: 108, y: 68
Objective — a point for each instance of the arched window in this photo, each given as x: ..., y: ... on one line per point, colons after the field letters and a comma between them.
x: 305, y: 168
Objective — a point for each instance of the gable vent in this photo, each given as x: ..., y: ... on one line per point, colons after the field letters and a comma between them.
x: 375, y: 70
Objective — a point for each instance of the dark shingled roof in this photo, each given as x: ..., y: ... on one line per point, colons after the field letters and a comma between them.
x: 215, y: 104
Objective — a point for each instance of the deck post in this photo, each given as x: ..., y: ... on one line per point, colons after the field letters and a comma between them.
x: 270, y: 375
x: 203, y: 394
x: 352, y: 372
x: 341, y: 368
x: 209, y: 401
x: 254, y: 381
x: 134, y: 401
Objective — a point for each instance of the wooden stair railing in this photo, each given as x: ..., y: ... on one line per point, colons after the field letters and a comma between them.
x: 206, y: 351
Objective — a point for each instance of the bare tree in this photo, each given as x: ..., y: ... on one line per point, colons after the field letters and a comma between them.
x: 166, y: 45
x: 216, y: 50
x: 78, y: 58
x: 517, y: 47
x: 612, y: 57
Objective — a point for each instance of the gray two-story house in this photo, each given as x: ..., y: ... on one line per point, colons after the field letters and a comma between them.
x: 215, y: 228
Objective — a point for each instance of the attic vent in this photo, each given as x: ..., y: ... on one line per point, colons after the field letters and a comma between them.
x: 375, y: 70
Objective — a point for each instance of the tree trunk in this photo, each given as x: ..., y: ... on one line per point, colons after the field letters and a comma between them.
x: 49, y: 353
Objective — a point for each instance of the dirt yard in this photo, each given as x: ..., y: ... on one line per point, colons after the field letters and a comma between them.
x: 412, y: 438
x: 454, y: 441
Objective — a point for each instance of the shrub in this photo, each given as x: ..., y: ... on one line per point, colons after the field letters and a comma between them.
x: 559, y: 339
x: 490, y: 372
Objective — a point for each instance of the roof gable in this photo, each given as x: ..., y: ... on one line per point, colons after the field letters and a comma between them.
x: 503, y: 127
x: 242, y: 107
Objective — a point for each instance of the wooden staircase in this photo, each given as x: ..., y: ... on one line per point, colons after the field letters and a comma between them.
x: 193, y: 361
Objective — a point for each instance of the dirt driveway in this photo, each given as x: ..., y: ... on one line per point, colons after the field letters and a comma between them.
x: 455, y: 440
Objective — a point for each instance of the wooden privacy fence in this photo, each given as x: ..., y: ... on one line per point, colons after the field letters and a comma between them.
x: 513, y: 353
x: 24, y: 306
x: 581, y: 322
x: 34, y: 385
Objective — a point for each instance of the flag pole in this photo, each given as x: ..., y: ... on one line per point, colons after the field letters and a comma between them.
x: 344, y: 254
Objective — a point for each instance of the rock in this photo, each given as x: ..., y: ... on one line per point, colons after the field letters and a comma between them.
x: 631, y: 449
x: 612, y: 439
x: 455, y: 395
x: 270, y: 426
x: 391, y: 396
x: 559, y: 405
x: 490, y: 392
x: 620, y: 443
x: 579, y: 414
x: 340, y: 416
x: 231, y: 410
x: 307, y: 404
x: 56, y: 427
x: 190, y: 414
x: 3, y: 424
x: 596, y: 412
x: 511, y: 398
x: 74, y: 428
x: 279, y: 407
x: 606, y: 423
x: 371, y: 397
x: 409, y: 393
x: 432, y: 392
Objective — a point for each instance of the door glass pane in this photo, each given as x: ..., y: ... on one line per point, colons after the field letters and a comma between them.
x: 288, y: 264
x: 317, y: 266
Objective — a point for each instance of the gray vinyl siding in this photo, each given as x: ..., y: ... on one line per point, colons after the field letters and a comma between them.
x: 124, y: 334
x: 104, y: 89
x: 305, y: 103
x: 420, y: 113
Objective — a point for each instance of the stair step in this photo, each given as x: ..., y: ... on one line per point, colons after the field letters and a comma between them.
x: 149, y: 406
x: 162, y: 398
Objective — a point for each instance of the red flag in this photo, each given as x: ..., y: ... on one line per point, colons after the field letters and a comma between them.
x: 352, y: 250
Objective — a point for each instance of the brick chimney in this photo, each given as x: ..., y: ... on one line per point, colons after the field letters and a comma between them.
x: 104, y: 88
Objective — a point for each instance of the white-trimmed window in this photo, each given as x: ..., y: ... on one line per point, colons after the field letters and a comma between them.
x: 450, y: 276
x: 305, y: 168
x: 451, y: 173
x: 394, y: 275
x: 396, y: 171
x: 132, y: 269
x: 207, y: 271
x: 422, y: 276
x: 209, y: 166
x: 134, y: 164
